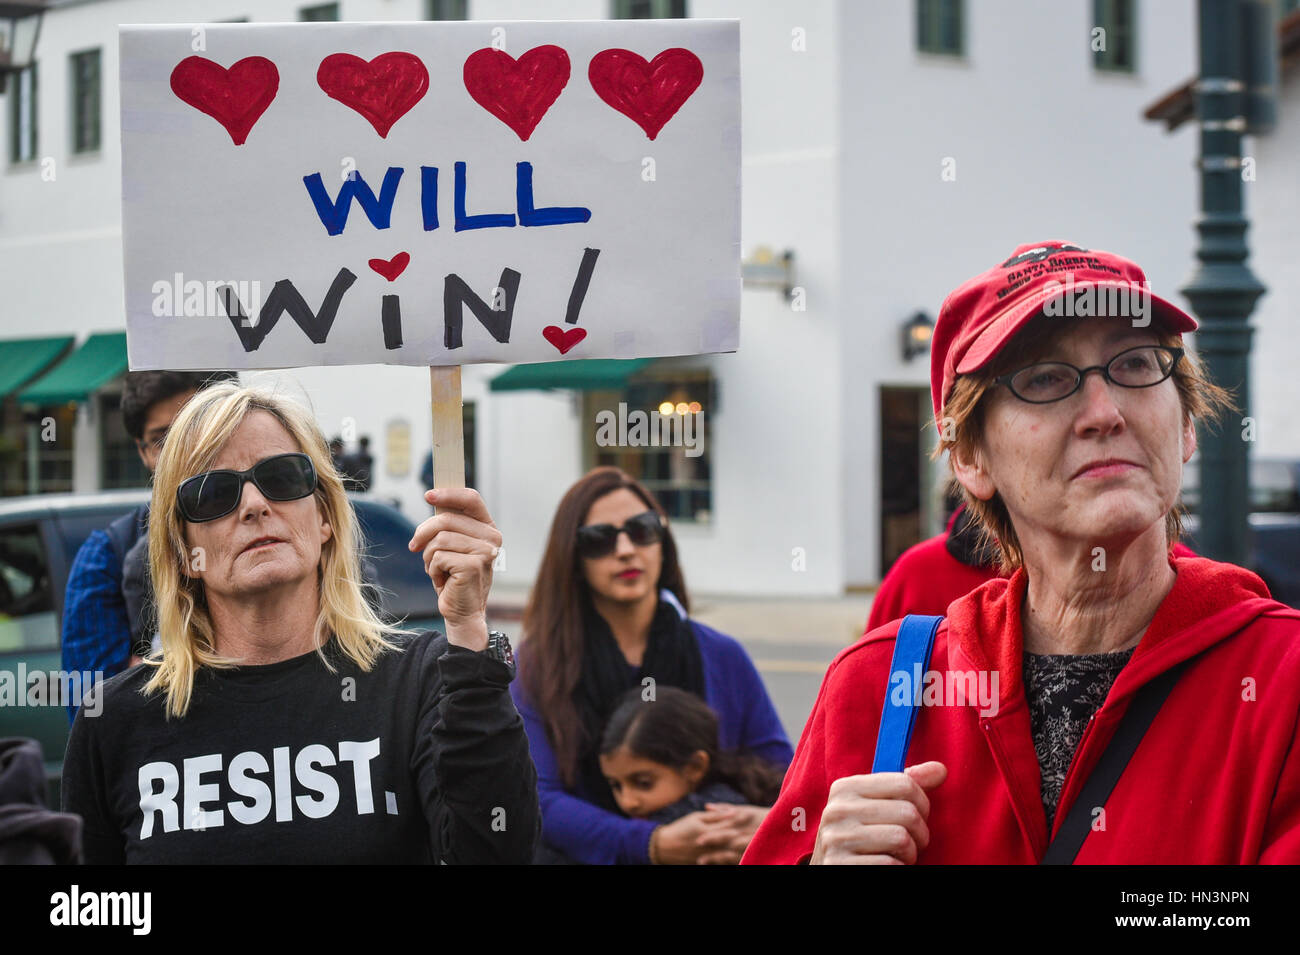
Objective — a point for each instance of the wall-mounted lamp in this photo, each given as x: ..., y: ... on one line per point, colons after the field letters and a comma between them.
x: 20, y: 26
x: 766, y: 269
x: 917, y: 332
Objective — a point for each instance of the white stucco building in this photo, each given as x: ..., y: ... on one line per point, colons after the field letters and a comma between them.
x: 891, y: 172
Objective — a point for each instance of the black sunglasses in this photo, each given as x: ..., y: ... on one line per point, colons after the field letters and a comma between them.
x: 213, y: 494
x: 597, y: 540
x: 1142, y: 367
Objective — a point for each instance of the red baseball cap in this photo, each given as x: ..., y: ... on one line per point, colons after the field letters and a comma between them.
x: 984, y: 313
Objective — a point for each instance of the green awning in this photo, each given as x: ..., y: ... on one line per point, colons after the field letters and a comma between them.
x: 22, y: 359
x: 586, y: 374
x: 100, y: 359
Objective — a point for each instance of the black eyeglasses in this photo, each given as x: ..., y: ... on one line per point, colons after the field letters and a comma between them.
x: 597, y: 540
x: 1140, y: 367
x: 213, y: 494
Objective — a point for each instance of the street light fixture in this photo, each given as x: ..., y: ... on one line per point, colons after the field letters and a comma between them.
x: 917, y: 332
x: 20, y: 27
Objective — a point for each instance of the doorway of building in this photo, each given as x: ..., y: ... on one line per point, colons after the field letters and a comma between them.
x: 906, y: 475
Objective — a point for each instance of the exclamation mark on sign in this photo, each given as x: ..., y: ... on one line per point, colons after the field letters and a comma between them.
x: 559, y: 337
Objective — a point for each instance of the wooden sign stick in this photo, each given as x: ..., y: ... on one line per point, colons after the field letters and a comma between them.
x: 448, y: 426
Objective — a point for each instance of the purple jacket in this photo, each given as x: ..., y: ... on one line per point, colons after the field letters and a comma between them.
x: 746, y: 720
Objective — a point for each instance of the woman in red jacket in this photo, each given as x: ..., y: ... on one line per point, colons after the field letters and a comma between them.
x: 1076, y: 476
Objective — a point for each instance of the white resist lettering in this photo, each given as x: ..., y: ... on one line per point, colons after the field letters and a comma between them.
x: 198, y: 792
x: 360, y: 755
x: 245, y: 785
x: 316, y: 781
x: 283, y: 804
x: 163, y: 801
x: 162, y: 785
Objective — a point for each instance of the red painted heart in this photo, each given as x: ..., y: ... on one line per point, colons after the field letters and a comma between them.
x: 392, y: 268
x: 647, y: 93
x: 517, y: 92
x: 234, y: 97
x: 561, y: 339
x: 382, y: 90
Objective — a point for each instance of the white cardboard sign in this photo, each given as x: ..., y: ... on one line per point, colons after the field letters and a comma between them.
x: 429, y: 193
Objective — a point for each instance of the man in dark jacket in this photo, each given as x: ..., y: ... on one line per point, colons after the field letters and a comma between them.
x: 97, y: 630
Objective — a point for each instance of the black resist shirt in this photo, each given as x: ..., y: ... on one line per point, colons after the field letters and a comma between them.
x: 422, y: 759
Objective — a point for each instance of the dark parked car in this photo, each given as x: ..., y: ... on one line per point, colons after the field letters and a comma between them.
x: 40, y: 536
x: 1274, y: 545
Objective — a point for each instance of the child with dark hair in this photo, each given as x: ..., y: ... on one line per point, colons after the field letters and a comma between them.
x: 662, y: 759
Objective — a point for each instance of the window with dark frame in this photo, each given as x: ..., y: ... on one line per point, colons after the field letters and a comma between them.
x: 656, y: 453
x: 940, y: 27
x: 22, y: 115
x: 120, y: 464
x: 321, y: 13
x: 1117, y: 51
x: 16, y: 454
x: 36, y: 448
x: 446, y: 9
x: 85, y: 101
x: 649, y: 10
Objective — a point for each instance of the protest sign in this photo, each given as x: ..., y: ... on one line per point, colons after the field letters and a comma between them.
x: 429, y: 193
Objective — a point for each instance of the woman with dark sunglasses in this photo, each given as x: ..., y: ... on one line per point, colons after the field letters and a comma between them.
x: 284, y: 721
x: 608, y: 612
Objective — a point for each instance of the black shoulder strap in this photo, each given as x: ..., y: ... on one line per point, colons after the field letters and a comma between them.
x: 1101, y: 783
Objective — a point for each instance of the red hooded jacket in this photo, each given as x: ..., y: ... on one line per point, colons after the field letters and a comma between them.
x: 1216, y: 778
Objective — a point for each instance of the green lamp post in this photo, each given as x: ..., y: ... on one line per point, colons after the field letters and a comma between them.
x: 1235, y: 95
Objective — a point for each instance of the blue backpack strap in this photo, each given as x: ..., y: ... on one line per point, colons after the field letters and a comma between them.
x: 912, y: 648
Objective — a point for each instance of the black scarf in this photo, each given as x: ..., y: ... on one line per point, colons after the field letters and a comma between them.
x: 672, y: 658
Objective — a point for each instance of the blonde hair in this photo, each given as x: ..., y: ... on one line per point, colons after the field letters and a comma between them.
x: 963, y: 426
x: 194, y: 441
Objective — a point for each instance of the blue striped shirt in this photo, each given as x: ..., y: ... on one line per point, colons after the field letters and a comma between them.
x: 96, y: 631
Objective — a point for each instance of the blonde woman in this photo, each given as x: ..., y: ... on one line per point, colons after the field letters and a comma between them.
x: 283, y: 721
